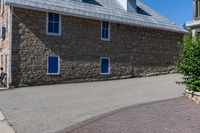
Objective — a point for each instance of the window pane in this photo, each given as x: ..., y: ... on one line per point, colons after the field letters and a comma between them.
x: 104, y: 25
x: 107, y: 25
x: 56, y: 27
x: 50, y: 27
x: 103, y: 33
x: 106, y: 34
x: 56, y: 17
x: 50, y: 17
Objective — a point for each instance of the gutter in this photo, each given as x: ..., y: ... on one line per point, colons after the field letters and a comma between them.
x: 9, y: 82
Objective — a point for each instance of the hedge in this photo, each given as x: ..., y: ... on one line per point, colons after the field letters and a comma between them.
x: 188, y: 63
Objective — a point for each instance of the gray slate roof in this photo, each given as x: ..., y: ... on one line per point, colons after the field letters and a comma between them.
x: 109, y: 10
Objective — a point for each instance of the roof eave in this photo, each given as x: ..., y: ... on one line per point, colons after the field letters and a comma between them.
x: 183, y: 31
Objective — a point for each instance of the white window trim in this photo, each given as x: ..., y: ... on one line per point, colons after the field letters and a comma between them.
x: 109, y: 68
x: 47, y: 25
x: 58, y: 65
x: 105, y: 39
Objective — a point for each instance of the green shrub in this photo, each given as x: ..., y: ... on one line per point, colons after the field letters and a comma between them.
x: 188, y: 63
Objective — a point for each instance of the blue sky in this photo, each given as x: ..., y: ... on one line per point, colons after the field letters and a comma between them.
x: 178, y: 11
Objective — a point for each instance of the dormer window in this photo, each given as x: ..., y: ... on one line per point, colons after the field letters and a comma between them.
x: 196, y: 9
x: 131, y: 6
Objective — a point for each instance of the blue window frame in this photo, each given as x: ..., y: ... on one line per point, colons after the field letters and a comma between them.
x: 105, y: 30
x: 53, y: 24
x: 53, y: 67
x: 105, y: 65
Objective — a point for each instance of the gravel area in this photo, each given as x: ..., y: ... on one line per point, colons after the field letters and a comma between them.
x: 178, y: 115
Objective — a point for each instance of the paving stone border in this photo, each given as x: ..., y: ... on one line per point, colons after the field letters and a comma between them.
x: 195, y: 96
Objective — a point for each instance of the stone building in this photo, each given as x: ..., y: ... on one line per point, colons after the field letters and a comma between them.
x: 58, y: 41
x: 195, y: 23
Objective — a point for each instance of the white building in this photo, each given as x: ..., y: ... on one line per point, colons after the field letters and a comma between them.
x: 195, y: 23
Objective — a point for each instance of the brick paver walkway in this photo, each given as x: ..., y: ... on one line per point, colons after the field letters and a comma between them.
x: 178, y: 115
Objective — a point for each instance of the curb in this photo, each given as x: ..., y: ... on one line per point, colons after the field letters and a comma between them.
x: 3, y: 89
x: 194, y: 96
x: 4, y: 125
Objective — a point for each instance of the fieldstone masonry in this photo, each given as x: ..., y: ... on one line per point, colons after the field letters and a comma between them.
x: 133, y: 51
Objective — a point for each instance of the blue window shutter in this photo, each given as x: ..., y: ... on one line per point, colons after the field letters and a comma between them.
x: 53, y: 65
x: 104, y: 66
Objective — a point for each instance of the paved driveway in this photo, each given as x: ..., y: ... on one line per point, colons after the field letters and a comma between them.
x: 46, y: 109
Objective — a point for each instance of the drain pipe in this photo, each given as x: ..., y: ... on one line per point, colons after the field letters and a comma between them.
x: 9, y: 80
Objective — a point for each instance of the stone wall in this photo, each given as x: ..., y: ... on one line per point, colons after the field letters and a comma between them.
x: 133, y: 51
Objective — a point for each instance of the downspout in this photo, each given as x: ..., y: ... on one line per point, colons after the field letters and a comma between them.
x: 9, y: 81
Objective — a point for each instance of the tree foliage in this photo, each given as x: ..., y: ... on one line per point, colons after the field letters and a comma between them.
x: 188, y: 63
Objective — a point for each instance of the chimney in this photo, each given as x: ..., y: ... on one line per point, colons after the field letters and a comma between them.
x: 129, y: 5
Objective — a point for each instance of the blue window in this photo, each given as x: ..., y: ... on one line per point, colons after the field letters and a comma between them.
x: 105, y: 31
x: 105, y: 65
x: 53, y: 67
x: 6, y: 22
x: 53, y: 24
